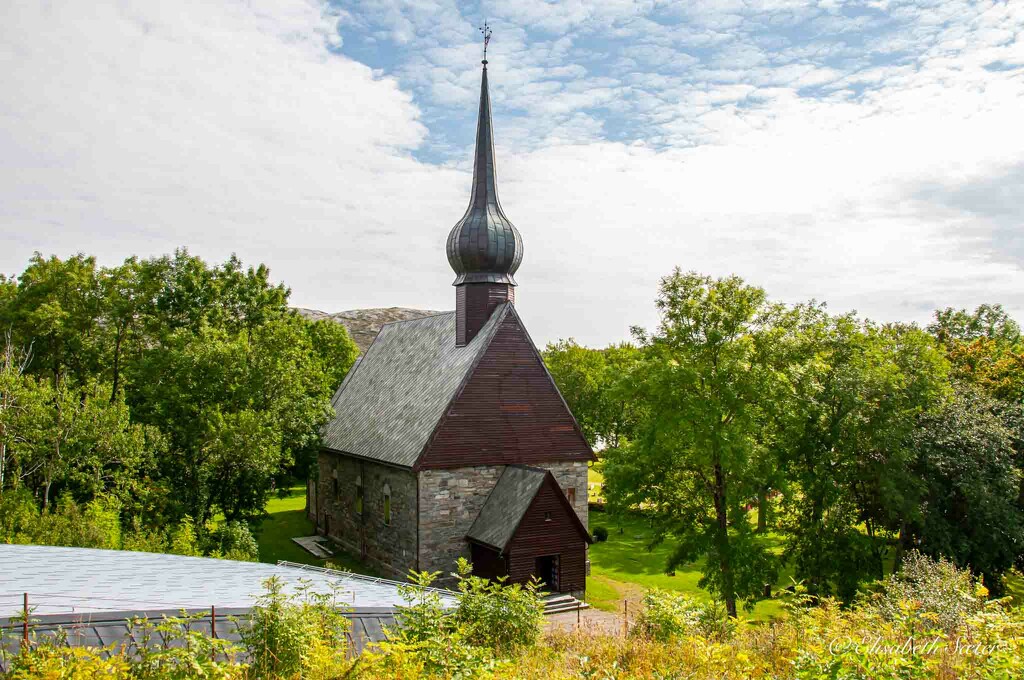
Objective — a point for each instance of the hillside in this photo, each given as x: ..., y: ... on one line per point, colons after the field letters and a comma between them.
x: 363, y: 324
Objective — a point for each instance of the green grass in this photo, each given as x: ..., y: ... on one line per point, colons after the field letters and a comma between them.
x: 623, y: 566
x: 288, y: 520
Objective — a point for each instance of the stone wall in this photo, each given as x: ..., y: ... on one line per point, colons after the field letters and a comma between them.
x: 450, y: 500
x: 390, y: 548
x: 573, y: 475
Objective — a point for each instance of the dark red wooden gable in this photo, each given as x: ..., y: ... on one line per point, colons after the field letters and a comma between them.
x: 549, y: 527
x: 508, y: 411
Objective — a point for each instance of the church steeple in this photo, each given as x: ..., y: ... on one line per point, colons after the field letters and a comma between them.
x: 484, y: 247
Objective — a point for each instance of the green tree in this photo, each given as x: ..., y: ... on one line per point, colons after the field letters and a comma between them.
x: 986, y: 321
x: 967, y: 464
x: 590, y: 381
x: 56, y: 312
x: 859, y: 390
x: 705, y: 375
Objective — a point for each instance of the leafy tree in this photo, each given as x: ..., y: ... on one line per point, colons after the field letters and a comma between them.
x: 986, y: 321
x: 56, y: 312
x: 335, y: 349
x: 859, y: 390
x: 705, y: 375
x: 589, y: 380
x: 966, y: 461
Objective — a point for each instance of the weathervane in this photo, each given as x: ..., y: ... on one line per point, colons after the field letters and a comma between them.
x: 486, y: 31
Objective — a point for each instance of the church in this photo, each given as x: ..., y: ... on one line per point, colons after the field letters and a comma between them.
x: 449, y: 437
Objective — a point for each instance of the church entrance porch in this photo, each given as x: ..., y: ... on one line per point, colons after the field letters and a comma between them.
x: 547, y: 572
x: 527, y: 529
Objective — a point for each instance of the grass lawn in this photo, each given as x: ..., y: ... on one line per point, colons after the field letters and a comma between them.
x: 288, y: 520
x: 623, y: 567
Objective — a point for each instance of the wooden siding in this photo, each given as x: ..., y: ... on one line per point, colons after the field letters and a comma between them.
x: 487, y: 563
x: 474, y: 303
x: 508, y: 411
x: 538, y: 537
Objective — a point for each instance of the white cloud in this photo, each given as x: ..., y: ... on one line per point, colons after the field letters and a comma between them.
x: 136, y: 128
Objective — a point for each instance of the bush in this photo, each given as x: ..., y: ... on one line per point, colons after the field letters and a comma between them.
x: 490, y: 622
x: 600, y: 534
x: 504, y: 618
x: 666, y: 616
x: 233, y: 541
x: 295, y: 637
x: 937, y: 588
x: 65, y: 523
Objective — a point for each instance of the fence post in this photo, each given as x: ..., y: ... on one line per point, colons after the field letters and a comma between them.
x: 213, y: 632
x: 625, y: 617
x: 24, y: 627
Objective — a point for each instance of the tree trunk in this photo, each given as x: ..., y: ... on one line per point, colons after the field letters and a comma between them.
x: 762, y: 510
x: 3, y: 464
x: 901, y: 544
x: 728, y: 585
x: 117, y: 366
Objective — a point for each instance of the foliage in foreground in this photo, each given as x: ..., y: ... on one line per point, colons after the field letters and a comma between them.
x: 930, y: 621
x: 98, y: 524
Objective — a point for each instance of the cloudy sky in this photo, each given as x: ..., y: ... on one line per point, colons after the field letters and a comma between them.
x: 869, y: 153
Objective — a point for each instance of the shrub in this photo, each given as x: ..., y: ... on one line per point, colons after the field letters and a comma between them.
x: 183, y: 539
x: 600, y: 534
x: 937, y: 588
x: 172, y: 649
x: 67, y: 523
x: 665, y: 615
x: 489, y: 622
x: 233, y: 541
x: 47, y: 660
x: 428, y: 638
x: 300, y: 637
x: 501, y: 617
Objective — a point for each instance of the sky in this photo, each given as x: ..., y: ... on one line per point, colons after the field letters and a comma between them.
x: 866, y: 153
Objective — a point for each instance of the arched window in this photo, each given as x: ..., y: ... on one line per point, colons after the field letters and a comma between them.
x: 387, y: 505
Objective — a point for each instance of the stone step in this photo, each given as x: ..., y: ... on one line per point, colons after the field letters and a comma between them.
x: 562, y: 602
x: 571, y: 607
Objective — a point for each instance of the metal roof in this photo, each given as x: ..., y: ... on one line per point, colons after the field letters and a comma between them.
x: 83, y: 580
x: 505, y: 506
x: 484, y: 246
x: 390, y: 402
x: 111, y: 629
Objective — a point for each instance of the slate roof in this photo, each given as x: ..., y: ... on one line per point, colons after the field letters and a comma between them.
x: 505, y: 506
x: 390, y: 402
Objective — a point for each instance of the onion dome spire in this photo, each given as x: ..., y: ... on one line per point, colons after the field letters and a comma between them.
x: 484, y: 246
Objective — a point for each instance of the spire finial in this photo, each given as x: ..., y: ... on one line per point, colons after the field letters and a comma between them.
x: 486, y: 31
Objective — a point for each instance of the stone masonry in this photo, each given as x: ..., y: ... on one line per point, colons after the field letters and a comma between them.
x: 450, y: 501
x: 390, y: 548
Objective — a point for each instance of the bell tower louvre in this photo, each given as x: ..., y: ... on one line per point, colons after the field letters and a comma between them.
x: 484, y: 247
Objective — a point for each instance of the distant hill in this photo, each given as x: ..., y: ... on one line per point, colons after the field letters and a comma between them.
x: 363, y: 324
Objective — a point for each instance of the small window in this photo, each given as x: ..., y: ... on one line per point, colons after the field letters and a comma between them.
x: 570, y: 493
x: 359, y: 496
x: 334, y: 486
x: 547, y: 516
x: 387, y: 505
